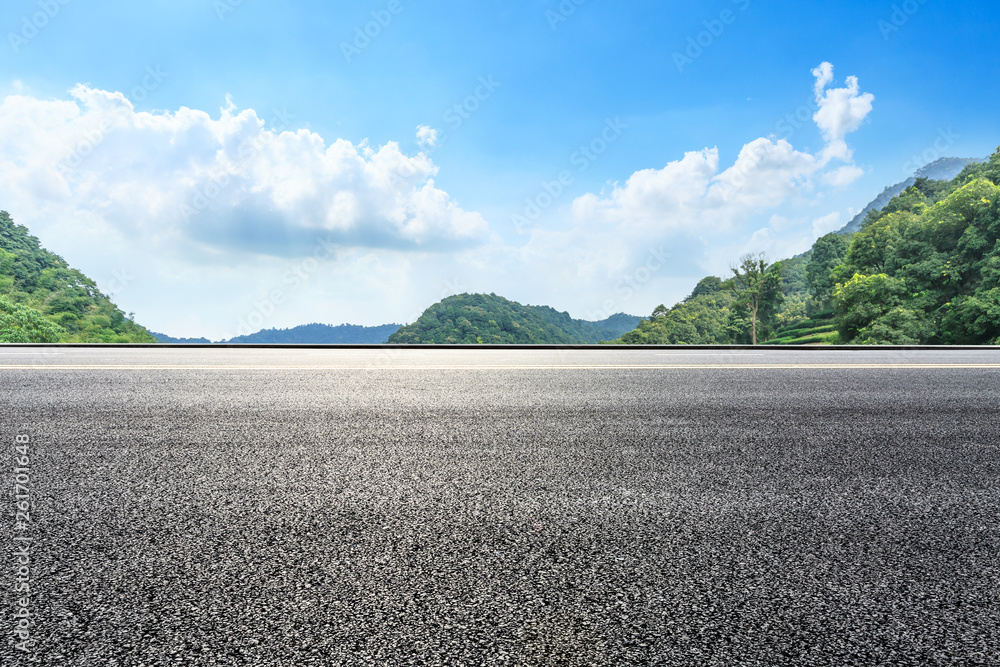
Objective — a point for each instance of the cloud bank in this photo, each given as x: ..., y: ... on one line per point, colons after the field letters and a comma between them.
x: 229, y: 182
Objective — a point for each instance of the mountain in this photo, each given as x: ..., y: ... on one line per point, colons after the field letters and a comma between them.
x: 306, y: 334
x: 46, y: 301
x: 943, y: 169
x: 319, y: 334
x: 163, y: 338
x: 491, y: 319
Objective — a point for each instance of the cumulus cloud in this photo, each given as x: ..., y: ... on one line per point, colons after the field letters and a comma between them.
x: 427, y: 136
x: 826, y: 224
x: 840, y: 112
x: 843, y: 176
x: 231, y: 182
x: 658, y: 198
x: 692, y: 193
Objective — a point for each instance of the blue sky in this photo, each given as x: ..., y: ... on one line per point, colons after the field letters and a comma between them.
x: 319, y: 201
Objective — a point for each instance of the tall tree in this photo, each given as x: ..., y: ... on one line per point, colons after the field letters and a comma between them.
x: 757, y: 286
x: 827, y: 254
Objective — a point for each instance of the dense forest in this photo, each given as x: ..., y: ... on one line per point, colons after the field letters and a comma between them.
x: 924, y: 269
x: 43, y: 300
x: 491, y: 319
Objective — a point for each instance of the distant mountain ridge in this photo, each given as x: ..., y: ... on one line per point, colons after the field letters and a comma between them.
x: 491, y: 319
x: 306, y: 334
x: 943, y: 169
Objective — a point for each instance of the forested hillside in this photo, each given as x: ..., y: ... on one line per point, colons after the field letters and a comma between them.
x: 490, y: 319
x: 319, y: 334
x: 43, y: 300
x: 924, y: 269
x: 945, y: 169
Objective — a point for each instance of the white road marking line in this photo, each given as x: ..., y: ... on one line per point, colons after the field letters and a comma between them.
x: 495, y: 367
x: 370, y: 352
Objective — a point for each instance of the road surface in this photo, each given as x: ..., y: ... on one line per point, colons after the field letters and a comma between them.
x: 501, y: 507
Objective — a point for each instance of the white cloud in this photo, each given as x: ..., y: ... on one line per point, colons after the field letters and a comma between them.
x: 655, y: 198
x: 427, y: 136
x: 228, y: 183
x: 693, y: 194
x: 826, y: 224
x: 843, y: 176
x: 841, y: 111
x: 824, y: 77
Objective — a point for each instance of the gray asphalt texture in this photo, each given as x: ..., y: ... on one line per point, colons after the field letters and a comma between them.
x: 294, y: 508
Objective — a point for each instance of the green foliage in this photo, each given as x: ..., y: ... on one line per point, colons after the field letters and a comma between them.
x: 828, y: 253
x: 793, y: 311
x: 20, y: 324
x: 989, y: 170
x: 40, y: 281
x: 875, y: 248
x: 479, y: 319
x: 864, y: 299
x: 699, y: 320
x: 707, y: 286
x: 794, y: 276
x: 925, y: 271
x: 757, y: 288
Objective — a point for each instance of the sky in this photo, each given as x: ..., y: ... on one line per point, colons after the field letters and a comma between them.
x: 225, y: 166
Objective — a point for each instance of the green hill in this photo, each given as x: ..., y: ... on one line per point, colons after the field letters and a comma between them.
x: 923, y: 268
x: 43, y: 300
x: 319, y: 334
x: 491, y: 319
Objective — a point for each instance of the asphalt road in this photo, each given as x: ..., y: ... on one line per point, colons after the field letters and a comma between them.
x: 600, y: 507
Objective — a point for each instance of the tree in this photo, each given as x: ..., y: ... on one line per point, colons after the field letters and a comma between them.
x: 876, y: 247
x: 707, y: 285
x: 757, y: 286
x: 20, y: 324
x: 863, y: 300
x: 827, y: 254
